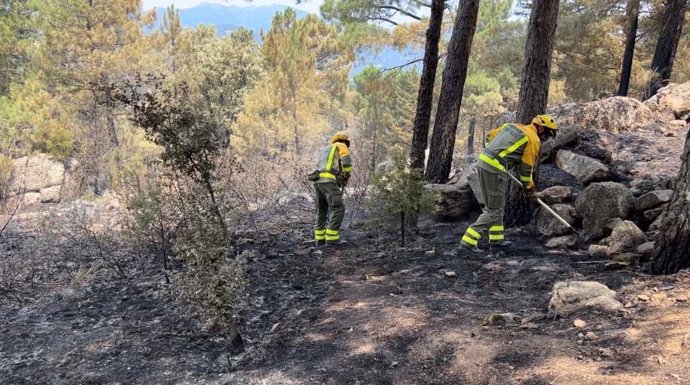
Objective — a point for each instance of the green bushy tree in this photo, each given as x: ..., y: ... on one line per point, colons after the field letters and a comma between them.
x: 398, y: 192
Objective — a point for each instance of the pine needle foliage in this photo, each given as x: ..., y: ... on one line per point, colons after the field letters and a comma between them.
x: 398, y: 192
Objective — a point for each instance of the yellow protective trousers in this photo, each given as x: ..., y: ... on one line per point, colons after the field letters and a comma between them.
x: 330, y: 211
x: 493, y: 186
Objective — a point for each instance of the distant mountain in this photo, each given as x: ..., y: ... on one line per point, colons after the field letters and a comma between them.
x: 228, y: 18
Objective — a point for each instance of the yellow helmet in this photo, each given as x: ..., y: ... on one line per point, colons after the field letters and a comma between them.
x: 547, y: 121
x: 341, y: 136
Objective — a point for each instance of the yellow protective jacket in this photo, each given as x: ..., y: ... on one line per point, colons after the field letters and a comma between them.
x: 512, y: 145
x: 335, y: 161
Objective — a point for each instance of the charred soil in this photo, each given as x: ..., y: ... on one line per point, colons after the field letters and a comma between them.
x: 368, y: 313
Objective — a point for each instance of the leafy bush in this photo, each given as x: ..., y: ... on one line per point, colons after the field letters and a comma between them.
x: 398, y: 192
x: 56, y: 141
x: 5, y: 176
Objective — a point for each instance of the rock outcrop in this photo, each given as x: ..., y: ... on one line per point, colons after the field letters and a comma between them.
x: 671, y: 102
x: 584, y: 168
x: 453, y: 201
x: 602, y: 202
x: 614, y: 114
x: 39, y: 178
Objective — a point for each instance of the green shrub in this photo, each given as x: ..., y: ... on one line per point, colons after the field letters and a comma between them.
x: 56, y: 141
x: 5, y: 176
x: 398, y: 192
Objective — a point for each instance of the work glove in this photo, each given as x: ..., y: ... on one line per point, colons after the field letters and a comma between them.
x: 346, y: 178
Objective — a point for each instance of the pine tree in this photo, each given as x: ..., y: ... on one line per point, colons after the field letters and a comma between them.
x: 425, y: 96
x: 632, y: 13
x: 447, y: 113
x: 667, y: 45
x: 534, y: 91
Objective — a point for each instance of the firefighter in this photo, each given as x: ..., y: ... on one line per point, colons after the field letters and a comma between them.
x: 508, y: 146
x: 331, y: 176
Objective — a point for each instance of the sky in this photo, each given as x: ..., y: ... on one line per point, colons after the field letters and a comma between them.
x: 311, y: 6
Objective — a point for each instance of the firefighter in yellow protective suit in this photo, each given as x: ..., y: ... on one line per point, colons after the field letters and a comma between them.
x: 333, y: 167
x: 508, y: 146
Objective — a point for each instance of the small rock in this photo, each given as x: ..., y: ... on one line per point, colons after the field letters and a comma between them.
x: 579, y: 323
x: 646, y: 248
x: 555, y: 194
x: 658, y: 297
x: 616, y: 265
x: 394, y: 364
x: 625, y: 236
x: 529, y: 326
x: 591, y: 336
x: 628, y: 305
x: 682, y: 298
x: 643, y: 297
x: 500, y: 319
x: 569, y: 297
x: 451, y: 274
x: 598, y: 251
x: 563, y: 242
x: 652, y: 214
x: 275, y: 327
x: 606, y: 352
x: 653, y: 199
x: 430, y: 253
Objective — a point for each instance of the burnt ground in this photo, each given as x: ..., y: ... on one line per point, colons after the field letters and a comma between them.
x: 370, y: 313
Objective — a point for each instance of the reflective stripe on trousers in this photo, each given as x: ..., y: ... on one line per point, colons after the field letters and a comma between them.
x: 332, y: 235
x: 320, y: 235
x: 471, y: 237
x: 496, y: 234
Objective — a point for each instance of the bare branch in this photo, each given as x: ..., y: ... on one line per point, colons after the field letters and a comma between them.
x: 404, y: 12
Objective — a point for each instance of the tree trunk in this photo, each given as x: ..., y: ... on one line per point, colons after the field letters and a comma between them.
x: 402, y: 228
x: 666, y: 46
x: 672, y: 248
x: 470, y: 138
x: 534, y: 93
x: 109, y: 116
x: 425, y: 96
x: 448, y: 111
x: 632, y: 13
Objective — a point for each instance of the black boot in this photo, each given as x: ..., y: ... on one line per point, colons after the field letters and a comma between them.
x: 465, y: 249
x: 337, y: 242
